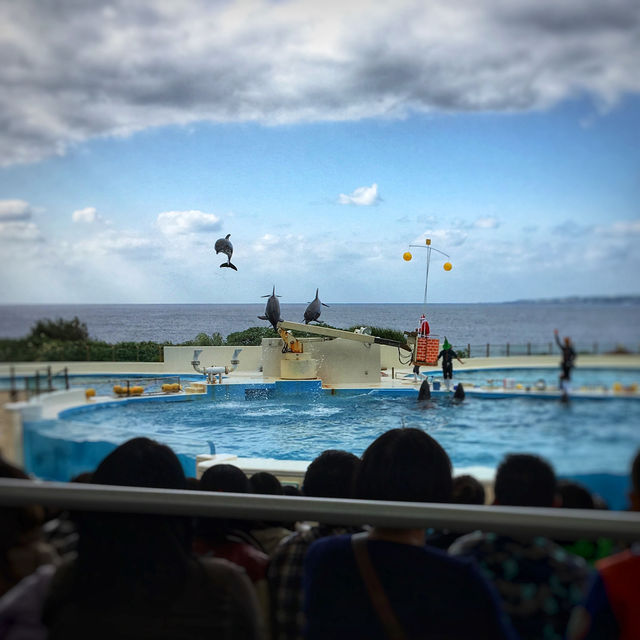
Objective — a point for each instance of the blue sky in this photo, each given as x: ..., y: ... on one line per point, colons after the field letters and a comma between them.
x: 325, y: 141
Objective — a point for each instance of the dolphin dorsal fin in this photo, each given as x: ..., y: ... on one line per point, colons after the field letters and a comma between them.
x: 227, y: 236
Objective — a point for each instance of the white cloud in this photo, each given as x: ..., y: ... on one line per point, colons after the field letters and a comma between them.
x: 87, y: 215
x: 487, y: 223
x: 19, y: 232
x: 14, y: 210
x: 362, y: 196
x: 161, y: 63
x: 173, y: 223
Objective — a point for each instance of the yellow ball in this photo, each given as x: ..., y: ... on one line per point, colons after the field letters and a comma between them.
x: 407, y: 256
x: 447, y: 266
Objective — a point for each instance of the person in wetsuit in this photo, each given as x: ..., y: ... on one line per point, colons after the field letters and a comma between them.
x: 448, y: 354
x: 568, y: 358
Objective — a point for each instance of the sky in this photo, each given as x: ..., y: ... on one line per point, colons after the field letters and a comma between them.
x: 326, y: 138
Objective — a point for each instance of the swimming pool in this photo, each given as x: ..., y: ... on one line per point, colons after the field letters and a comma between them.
x: 587, y: 438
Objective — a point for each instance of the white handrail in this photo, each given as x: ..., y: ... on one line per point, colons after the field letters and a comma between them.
x: 553, y: 523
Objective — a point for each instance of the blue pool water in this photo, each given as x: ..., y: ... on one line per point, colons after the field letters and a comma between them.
x: 589, y: 438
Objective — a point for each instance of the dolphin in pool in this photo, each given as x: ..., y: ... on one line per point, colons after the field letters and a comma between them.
x: 424, y: 395
x: 224, y: 246
x: 272, y: 310
x: 459, y: 394
x: 312, y: 312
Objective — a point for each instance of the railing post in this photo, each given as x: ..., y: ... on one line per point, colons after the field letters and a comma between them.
x: 88, y: 350
x: 507, y: 349
x: 128, y: 391
x: 487, y: 349
x: 468, y: 349
x: 137, y: 352
x: 37, y: 383
x: 26, y: 387
x: 49, y: 381
x: 13, y: 391
x: 113, y: 353
x: 160, y: 353
x: 66, y: 378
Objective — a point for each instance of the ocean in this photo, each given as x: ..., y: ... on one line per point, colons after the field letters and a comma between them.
x: 607, y: 324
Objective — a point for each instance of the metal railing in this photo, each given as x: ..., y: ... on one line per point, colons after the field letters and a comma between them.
x: 37, y: 382
x: 507, y: 349
x: 553, y: 523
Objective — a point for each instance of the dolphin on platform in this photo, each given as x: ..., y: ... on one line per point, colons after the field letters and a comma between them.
x: 272, y: 310
x: 224, y: 246
x: 312, y: 312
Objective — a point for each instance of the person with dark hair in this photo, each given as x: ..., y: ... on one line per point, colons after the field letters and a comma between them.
x: 22, y: 544
x: 135, y: 576
x: 330, y: 475
x: 228, y: 538
x: 427, y: 594
x: 466, y: 490
x: 538, y: 580
x: 268, y: 534
x: 573, y: 495
x: 610, y: 610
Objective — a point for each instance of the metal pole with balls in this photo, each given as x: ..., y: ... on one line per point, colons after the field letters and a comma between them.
x: 447, y: 265
x: 425, y: 348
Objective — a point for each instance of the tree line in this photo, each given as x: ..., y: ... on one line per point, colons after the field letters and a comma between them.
x: 69, y: 340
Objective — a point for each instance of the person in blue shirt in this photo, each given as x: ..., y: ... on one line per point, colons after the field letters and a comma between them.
x: 430, y: 594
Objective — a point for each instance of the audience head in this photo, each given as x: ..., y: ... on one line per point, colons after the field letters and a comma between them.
x: 330, y: 475
x: 16, y: 521
x: 137, y: 556
x: 525, y: 480
x: 404, y: 465
x: 265, y: 483
x: 226, y: 478
x: 467, y: 490
x: 573, y: 495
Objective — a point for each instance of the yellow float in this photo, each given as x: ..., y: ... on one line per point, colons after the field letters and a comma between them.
x: 407, y: 256
x: 447, y: 266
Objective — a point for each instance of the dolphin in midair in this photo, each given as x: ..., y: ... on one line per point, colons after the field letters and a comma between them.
x: 224, y: 246
x: 272, y: 310
x: 312, y: 312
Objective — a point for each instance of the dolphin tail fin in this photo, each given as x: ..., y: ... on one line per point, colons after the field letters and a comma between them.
x: 230, y: 265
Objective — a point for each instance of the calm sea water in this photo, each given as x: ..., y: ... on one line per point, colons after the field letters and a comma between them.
x: 516, y: 323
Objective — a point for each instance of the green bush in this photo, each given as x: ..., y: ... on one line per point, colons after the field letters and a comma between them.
x: 204, y: 340
x: 388, y: 334
x: 251, y: 337
x: 150, y: 352
x: 99, y: 351
x: 63, y: 330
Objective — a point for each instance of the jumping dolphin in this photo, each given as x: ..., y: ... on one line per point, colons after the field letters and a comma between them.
x: 272, y: 310
x: 313, y: 310
x: 424, y: 395
x: 224, y: 246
